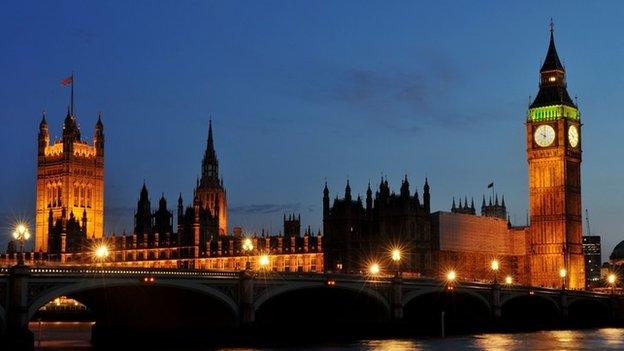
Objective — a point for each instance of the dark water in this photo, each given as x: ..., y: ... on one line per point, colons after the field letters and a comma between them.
x: 69, y: 336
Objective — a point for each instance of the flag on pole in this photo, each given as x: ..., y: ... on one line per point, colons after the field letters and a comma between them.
x: 491, y: 185
x: 67, y: 81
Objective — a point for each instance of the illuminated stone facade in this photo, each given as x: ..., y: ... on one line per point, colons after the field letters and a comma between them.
x: 70, y: 187
x: 554, y: 157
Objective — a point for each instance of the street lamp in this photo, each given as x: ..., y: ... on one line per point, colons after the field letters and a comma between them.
x: 508, y: 280
x: 396, y: 257
x: 374, y: 269
x: 101, y: 252
x: 495, y: 265
x: 612, y: 278
x: 563, y: 273
x: 264, y: 261
x: 247, y: 247
x: 21, y: 234
x: 451, y: 276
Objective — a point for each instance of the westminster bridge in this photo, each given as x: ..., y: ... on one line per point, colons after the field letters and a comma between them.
x: 158, y: 299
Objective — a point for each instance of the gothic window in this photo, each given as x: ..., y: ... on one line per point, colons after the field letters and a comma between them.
x: 89, y: 196
x: 76, y: 195
x: 82, y: 196
x: 60, y: 196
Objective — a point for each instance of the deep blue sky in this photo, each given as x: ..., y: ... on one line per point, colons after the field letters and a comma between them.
x: 300, y: 91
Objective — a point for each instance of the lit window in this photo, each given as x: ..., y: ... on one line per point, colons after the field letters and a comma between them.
x: 552, y: 79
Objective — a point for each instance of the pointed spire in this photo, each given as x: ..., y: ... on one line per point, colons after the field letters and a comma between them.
x: 472, y: 207
x: 553, y: 89
x: 453, y: 206
x: 503, y: 203
x: 43, y: 119
x: 483, y: 203
x: 210, y: 140
x: 99, y: 123
x: 210, y: 163
x: 325, y: 190
x: 496, y: 200
x: 552, y: 62
x: 348, y: 191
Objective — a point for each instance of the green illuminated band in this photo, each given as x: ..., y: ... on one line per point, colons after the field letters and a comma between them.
x: 552, y: 113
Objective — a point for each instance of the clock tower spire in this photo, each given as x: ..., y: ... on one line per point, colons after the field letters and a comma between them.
x: 554, y: 158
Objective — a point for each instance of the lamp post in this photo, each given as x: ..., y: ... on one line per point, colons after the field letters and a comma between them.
x: 612, y: 278
x: 495, y: 266
x: 247, y: 247
x: 21, y: 234
x: 396, y: 257
x: 563, y: 273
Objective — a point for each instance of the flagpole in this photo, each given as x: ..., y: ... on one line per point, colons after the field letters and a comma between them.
x: 72, y: 93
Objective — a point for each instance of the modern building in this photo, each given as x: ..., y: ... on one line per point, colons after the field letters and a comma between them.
x: 593, y: 259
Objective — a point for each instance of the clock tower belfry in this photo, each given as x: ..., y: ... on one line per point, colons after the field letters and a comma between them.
x: 554, y: 161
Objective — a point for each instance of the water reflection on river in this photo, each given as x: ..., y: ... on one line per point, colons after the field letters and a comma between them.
x: 69, y: 336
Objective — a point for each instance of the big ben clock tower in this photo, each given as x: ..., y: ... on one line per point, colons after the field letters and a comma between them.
x: 554, y: 155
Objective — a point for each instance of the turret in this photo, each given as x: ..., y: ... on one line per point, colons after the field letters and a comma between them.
x: 348, y: 192
x: 416, y: 198
x: 405, y: 193
x: 44, y: 135
x: 180, y: 210
x: 71, y: 133
x: 98, y: 136
x: 369, y: 198
x: 143, y: 215
x: 426, y: 196
x: 84, y: 221
x: 325, y: 201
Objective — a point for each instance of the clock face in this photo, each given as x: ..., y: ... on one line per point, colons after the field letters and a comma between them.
x: 544, y: 135
x: 573, y: 136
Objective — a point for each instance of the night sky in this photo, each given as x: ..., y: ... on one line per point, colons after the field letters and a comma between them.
x: 303, y: 91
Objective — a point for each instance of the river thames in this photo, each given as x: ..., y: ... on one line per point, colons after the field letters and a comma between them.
x: 70, y: 336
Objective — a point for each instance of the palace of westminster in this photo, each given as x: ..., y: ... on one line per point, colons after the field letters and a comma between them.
x: 356, y: 231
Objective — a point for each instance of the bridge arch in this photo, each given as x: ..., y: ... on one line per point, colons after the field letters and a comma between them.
x: 461, y: 310
x: 509, y: 297
x: 87, y: 285
x: 283, y: 289
x: 346, y: 308
x: 527, y: 311
x: 589, y: 311
x: 433, y: 290
x: 2, y: 321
